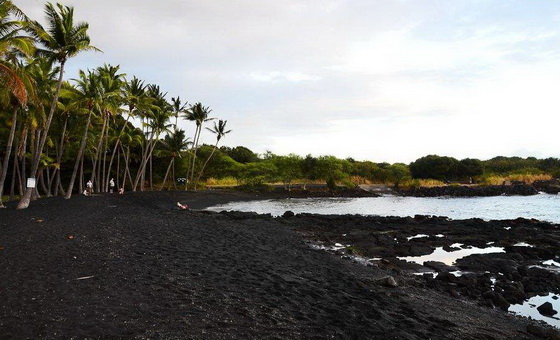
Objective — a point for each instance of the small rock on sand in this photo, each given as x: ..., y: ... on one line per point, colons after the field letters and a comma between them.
x: 387, y: 281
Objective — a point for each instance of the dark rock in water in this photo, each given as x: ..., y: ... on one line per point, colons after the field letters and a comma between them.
x: 550, y: 186
x: 546, y: 309
x: 387, y: 281
x: 288, y: 214
x: 502, y: 263
x: 440, y: 266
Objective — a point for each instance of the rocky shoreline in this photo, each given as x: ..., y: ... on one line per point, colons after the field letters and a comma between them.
x: 135, y: 266
x: 521, y: 189
x: 495, y: 280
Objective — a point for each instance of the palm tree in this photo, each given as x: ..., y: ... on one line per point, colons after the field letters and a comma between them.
x: 13, y: 42
x: 15, y: 104
x: 15, y: 82
x: 61, y: 40
x: 111, y: 99
x: 173, y: 146
x: 135, y: 97
x: 220, y: 131
x: 178, y: 108
x: 198, y: 114
x: 86, y: 95
x: 158, y: 118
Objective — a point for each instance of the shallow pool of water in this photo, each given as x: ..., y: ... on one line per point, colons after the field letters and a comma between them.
x: 529, y: 308
x: 449, y: 257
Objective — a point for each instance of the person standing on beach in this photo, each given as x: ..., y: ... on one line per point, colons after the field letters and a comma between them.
x: 111, y: 185
x: 89, y: 186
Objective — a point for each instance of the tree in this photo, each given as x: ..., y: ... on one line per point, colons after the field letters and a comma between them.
x: 434, y: 167
x: 158, y: 123
x: 178, y: 108
x: 398, y: 172
x: 61, y: 41
x: 86, y: 95
x: 220, y: 131
x: 240, y: 154
x: 15, y: 84
x: 331, y: 169
x: 289, y: 168
x: 198, y: 114
x: 173, y: 146
x: 468, y: 168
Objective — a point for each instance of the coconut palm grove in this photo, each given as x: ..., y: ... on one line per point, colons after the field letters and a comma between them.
x: 106, y: 126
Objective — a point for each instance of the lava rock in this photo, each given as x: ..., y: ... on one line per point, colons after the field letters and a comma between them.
x: 387, y: 281
x: 546, y: 309
x: 440, y: 266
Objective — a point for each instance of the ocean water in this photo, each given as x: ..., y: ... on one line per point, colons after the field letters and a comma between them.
x: 543, y: 207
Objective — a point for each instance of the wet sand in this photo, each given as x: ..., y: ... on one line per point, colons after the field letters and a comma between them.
x: 135, y: 266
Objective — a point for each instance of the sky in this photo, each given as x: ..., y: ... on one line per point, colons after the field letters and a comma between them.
x: 380, y: 80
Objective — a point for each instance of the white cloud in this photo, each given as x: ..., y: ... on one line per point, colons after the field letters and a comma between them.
x: 276, y: 76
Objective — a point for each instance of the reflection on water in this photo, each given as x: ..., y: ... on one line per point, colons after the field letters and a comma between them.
x: 449, y: 258
x: 543, y: 207
x: 529, y: 308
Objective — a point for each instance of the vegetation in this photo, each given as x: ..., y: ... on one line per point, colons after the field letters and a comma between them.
x: 64, y: 132
x: 104, y: 125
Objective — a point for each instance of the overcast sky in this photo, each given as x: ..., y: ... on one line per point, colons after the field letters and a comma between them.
x: 380, y: 80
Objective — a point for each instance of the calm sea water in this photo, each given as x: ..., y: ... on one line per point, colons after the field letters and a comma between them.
x: 543, y: 206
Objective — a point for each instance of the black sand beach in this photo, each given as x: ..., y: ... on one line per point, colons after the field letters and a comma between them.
x: 135, y: 266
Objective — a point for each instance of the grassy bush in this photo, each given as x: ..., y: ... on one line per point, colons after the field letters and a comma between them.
x: 525, y: 178
x: 357, y: 180
x: 418, y: 183
x: 222, y: 182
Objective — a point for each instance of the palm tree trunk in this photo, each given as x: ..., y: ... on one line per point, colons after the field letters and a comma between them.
x: 26, y: 198
x: 59, y: 154
x: 174, y: 179
x: 23, y: 171
x: 151, y: 172
x: 41, y: 180
x: 105, y: 181
x: 118, y: 167
x: 126, y: 169
x: 115, y: 148
x: 142, y: 168
x: 79, y: 156
x: 4, y: 172
x: 195, y: 148
x: 94, y: 173
x: 167, y: 173
x: 15, y: 168
x: 20, y: 181
x: 49, y: 181
x: 204, y: 166
x: 82, y: 178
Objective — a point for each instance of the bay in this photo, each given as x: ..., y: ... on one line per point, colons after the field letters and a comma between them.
x: 543, y: 207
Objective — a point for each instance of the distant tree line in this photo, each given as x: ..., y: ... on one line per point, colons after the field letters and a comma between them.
x: 252, y: 169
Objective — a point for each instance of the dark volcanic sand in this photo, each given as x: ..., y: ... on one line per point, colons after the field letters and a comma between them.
x: 134, y: 266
